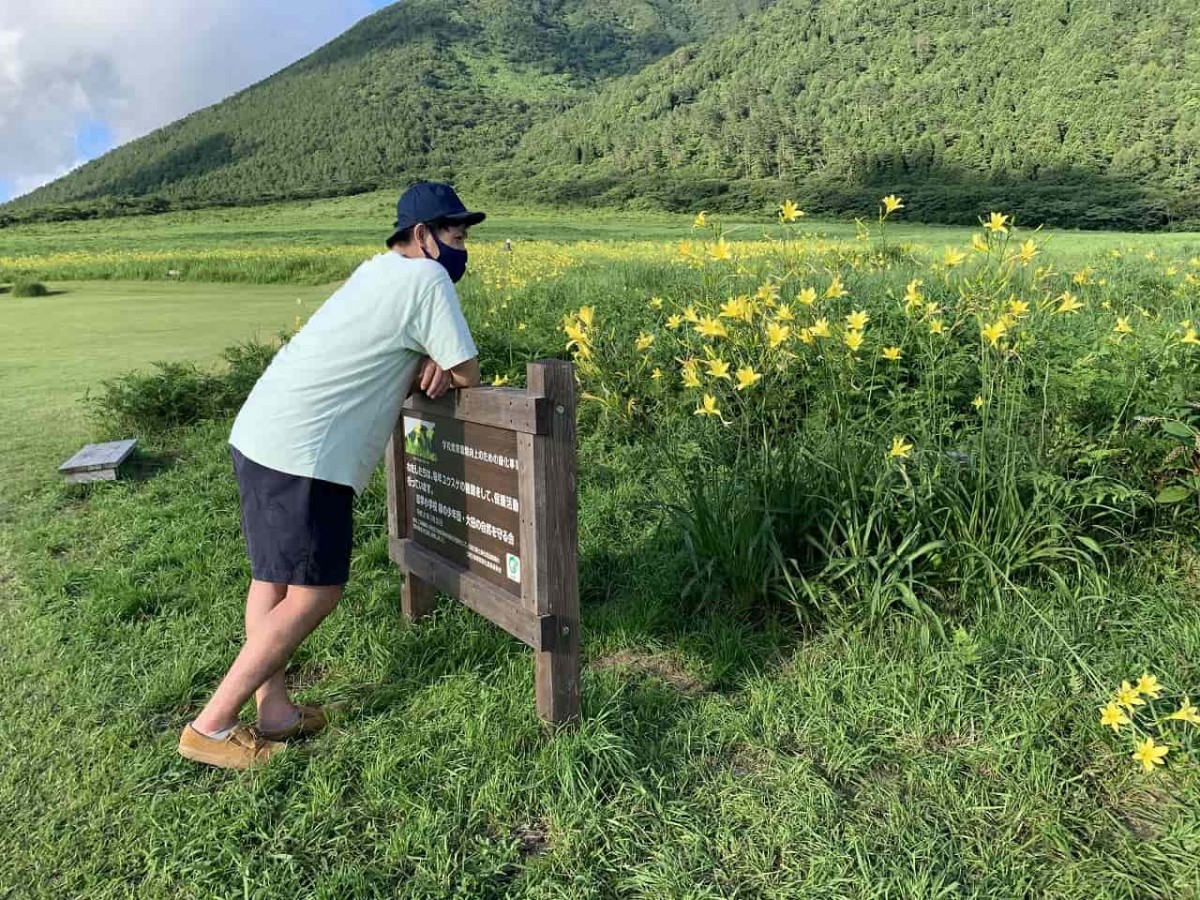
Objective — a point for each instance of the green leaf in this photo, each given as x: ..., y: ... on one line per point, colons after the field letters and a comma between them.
x: 1179, y: 431
x: 1176, y: 493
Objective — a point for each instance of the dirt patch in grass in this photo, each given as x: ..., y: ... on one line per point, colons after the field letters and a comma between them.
x: 1189, y: 567
x: 656, y: 665
x: 533, y: 838
x: 306, y: 675
x: 1147, y: 811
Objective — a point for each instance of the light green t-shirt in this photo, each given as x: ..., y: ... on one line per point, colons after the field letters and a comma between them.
x: 329, y: 401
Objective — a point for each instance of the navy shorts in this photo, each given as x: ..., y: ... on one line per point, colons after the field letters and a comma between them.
x: 298, y: 530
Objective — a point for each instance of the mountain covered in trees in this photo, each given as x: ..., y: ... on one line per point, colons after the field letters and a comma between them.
x: 1081, y: 112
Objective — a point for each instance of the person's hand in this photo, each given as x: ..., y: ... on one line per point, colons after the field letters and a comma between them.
x: 432, y: 379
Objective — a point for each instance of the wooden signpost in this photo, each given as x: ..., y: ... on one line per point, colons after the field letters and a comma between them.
x: 482, y: 506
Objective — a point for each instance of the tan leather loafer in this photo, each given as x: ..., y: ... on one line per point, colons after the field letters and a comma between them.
x: 240, y: 749
x: 311, y: 720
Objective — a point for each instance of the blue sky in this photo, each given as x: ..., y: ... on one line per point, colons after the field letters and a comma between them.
x: 78, y: 79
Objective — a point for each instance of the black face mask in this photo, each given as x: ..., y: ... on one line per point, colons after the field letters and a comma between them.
x: 453, y: 260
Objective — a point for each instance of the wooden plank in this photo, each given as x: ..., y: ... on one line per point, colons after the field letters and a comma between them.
x: 95, y: 457
x: 393, y: 459
x: 555, y: 524
x: 527, y: 498
x: 417, y: 598
x: 509, y: 408
x: 484, y: 598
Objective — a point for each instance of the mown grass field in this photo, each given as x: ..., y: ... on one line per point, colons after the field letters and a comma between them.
x: 908, y: 708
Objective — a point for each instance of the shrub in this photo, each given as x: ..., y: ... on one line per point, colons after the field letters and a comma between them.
x: 29, y: 289
x: 176, y: 394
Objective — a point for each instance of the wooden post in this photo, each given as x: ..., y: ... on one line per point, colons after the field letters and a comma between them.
x: 548, y: 473
x: 417, y: 597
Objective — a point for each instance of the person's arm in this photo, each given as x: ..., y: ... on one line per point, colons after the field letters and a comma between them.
x: 434, y: 381
x: 466, y: 375
x: 440, y: 331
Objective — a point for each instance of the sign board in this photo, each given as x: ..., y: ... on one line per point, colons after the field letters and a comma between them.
x: 482, y: 507
x: 461, y: 499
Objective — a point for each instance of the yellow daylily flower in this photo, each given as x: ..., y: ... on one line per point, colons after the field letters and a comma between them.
x: 587, y: 315
x: 1123, y: 326
x: 1128, y: 696
x: 820, y: 328
x: 1027, y: 252
x: 953, y: 257
x: 979, y: 242
x: 1148, y: 685
x: 857, y: 320
x: 1149, y: 754
x: 1017, y: 308
x: 835, y: 289
x: 1068, y: 303
x: 784, y: 314
x: 891, y: 354
x: 734, y: 309
x: 901, y: 449
x: 853, y: 340
x: 979, y: 402
x: 808, y: 296
x: 691, y: 373
x: 710, y: 327
x: 1112, y: 717
x: 891, y: 203
x: 708, y: 407
x: 645, y: 342
x: 701, y: 219
x: 690, y: 314
x: 656, y: 302
x: 1186, y: 713
x: 789, y: 212
x: 656, y: 374
x: 500, y: 381
x: 577, y: 335
x: 777, y: 334
x: 673, y: 322
x: 717, y: 368
x: 720, y: 251
x: 747, y: 377
x: 937, y: 326
x: 992, y: 333
x: 685, y: 249
x: 1189, y: 337
x: 997, y: 223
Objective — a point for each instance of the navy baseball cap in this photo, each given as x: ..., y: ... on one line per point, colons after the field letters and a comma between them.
x: 428, y: 201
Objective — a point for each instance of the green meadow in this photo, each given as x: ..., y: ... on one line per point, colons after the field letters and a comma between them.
x: 817, y: 664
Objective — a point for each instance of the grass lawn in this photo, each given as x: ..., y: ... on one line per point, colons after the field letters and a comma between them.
x: 364, y: 220
x: 716, y: 759
x: 53, y: 349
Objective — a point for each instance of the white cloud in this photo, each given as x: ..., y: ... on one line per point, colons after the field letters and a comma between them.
x: 137, y: 65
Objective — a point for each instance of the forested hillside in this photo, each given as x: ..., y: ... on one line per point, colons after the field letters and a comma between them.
x: 1064, y: 111
x: 421, y: 88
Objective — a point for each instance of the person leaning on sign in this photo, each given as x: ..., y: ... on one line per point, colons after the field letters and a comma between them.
x: 307, y: 440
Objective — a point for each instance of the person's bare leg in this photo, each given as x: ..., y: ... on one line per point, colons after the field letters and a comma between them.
x: 266, y: 652
x: 275, y: 710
